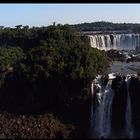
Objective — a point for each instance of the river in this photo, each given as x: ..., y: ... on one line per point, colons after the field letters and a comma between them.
x: 124, y: 68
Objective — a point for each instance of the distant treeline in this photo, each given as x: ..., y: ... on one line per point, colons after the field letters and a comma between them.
x: 107, y: 26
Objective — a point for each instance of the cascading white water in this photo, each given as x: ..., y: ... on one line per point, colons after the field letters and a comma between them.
x: 114, y: 41
x: 102, y: 116
x: 107, y: 105
x: 95, y: 82
x: 128, y: 116
x: 92, y: 92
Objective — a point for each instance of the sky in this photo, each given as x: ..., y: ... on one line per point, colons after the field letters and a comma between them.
x: 45, y: 14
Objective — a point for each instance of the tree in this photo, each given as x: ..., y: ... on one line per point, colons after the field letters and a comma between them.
x: 54, y: 23
x: 56, y: 71
x: 26, y: 27
x: 9, y: 56
x: 18, y: 26
x: 1, y: 27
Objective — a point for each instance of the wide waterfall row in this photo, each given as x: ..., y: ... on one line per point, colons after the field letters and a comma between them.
x: 112, y: 107
x: 114, y: 41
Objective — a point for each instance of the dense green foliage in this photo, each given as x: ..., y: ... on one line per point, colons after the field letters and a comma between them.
x: 52, y: 71
x: 9, y: 56
x: 107, y: 26
x: 60, y: 68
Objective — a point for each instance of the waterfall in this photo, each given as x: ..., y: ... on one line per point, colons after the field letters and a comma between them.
x: 95, y: 82
x: 92, y: 92
x: 106, y: 104
x: 114, y: 41
x: 102, y: 116
x: 129, y: 126
x: 108, y: 42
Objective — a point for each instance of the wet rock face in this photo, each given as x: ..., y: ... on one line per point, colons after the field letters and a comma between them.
x: 96, y: 89
x: 119, y: 104
x: 117, y: 83
x: 134, y: 90
x: 95, y: 97
x: 105, y: 80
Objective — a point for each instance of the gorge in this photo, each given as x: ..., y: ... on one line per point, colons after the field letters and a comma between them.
x: 116, y: 106
x: 115, y: 93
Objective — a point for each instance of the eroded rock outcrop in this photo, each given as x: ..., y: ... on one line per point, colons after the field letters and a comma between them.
x: 134, y: 89
x: 119, y: 104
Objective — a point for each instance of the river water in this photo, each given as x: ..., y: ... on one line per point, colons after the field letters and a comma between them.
x: 124, y: 68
